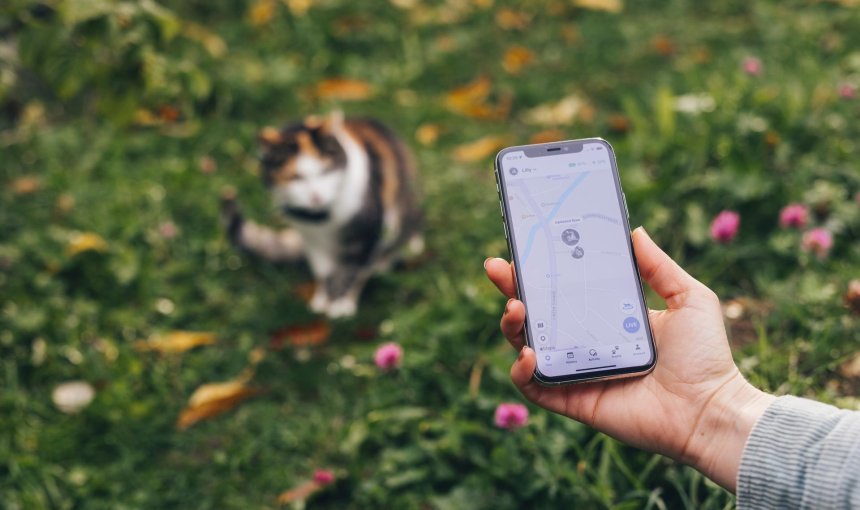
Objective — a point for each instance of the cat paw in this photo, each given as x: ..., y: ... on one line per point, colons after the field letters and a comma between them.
x: 341, y: 307
x: 319, y: 302
x: 231, y: 215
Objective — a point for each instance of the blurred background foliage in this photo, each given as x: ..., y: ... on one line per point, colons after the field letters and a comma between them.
x: 120, y: 122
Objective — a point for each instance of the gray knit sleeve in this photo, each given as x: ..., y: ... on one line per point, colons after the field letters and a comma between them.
x: 801, y: 454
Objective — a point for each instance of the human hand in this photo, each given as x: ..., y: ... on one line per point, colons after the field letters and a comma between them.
x: 695, y: 406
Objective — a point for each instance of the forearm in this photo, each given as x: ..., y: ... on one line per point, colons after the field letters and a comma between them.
x: 718, y: 442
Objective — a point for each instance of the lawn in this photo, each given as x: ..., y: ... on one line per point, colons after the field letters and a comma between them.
x: 122, y: 122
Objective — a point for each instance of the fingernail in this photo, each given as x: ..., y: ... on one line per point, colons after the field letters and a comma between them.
x: 508, y: 305
x: 486, y: 260
x: 522, y: 354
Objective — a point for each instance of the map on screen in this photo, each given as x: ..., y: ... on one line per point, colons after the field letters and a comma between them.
x: 570, y: 239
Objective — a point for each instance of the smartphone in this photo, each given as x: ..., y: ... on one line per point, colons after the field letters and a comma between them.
x: 566, y: 222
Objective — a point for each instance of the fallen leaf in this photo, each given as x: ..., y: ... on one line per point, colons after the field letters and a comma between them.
x: 509, y: 19
x: 305, y: 291
x: 213, y: 399
x: 344, y: 89
x: 547, y: 136
x: 560, y: 113
x: 175, y: 342
x: 211, y: 42
x: 471, y: 100
x: 619, y: 123
x: 65, y: 203
x: 663, y: 45
x: 298, y: 7
x: 852, y: 295
x: 427, y: 134
x: 85, y: 241
x: 26, y: 185
x: 262, y: 12
x: 480, y: 148
x: 516, y: 57
x: 613, y: 6
x: 303, y: 335
x: 168, y: 113
x: 299, y: 493
x: 851, y: 368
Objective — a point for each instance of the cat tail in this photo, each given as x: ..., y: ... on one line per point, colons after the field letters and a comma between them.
x: 284, y: 245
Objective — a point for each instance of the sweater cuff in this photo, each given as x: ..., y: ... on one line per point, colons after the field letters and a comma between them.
x: 799, y: 455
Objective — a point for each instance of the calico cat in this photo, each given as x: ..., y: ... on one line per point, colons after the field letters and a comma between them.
x: 348, y: 190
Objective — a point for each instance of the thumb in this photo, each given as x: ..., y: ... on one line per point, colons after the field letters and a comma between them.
x: 662, y: 273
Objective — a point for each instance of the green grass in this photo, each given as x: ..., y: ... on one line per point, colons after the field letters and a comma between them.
x: 416, y: 438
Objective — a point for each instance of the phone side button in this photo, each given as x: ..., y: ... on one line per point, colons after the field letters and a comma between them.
x: 624, y: 199
x: 504, y: 226
x: 501, y: 209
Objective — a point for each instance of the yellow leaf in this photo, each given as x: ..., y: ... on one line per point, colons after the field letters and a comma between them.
x: 480, y: 148
x: 555, y: 114
x: 548, y: 136
x: 26, y: 185
x: 262, y: 12
x: 298, y: 7
x: 210, y: 400
x: 85, y: 241
x: 175, y: 342
x: 211, y: 41
x: 300, y: 493
x: 613, y: 6
x: 509, y: 19
x: 427, y: 134
x: 471, y: 100
x: 344, y: 89
x: 516, y: 57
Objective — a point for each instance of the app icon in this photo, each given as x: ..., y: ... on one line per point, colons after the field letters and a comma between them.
x: 513, y: 170
x: 592, y: 352
x: 578, y: 252
x: 627, y: 306
x: 569, y: 355
x: 631, y: 324
x: 570, y: 237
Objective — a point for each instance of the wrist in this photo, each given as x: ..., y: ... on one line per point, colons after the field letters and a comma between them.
x: 718, y: 441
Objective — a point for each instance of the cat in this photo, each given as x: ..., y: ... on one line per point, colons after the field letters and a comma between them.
x: 348, y: 190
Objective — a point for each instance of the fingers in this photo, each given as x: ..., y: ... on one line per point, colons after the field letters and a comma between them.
x: 521, y: 374
x: 501, y: 273
x: 662, y: 273
x: 512, y: 323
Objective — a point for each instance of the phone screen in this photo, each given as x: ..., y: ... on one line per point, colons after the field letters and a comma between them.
x: 570, y: 240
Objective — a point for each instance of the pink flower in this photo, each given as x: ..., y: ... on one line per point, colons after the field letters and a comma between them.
x: 752, y: 66
x: 819, y: 240
x: 511, y: 416
x: 323, y: 476
x: 847, y: 91
x: 168, y: 230
x: 388, y: 356
x: 793, y: 215
x: 725, y: 226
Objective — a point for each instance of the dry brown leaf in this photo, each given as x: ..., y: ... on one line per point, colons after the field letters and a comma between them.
x: 212, y: 42
x: 548, y: 136
x: 509, y: 19
x: 427, y: 134
x: 175, y: 342
x: 516, y: 57
x: 852, y: 296
x: 663, y: 45
x: 299, y: 493
x: 210, y: 400
x: 344, y: 89
x: 471, y: 100
x: 614, y: 6
x: 302, y: 335
x: 851, y: 368
x: 262, y: 12
x: 619, y: 123
x: 305, y: 291
x: 85, y: 241
x: 560, y: 113
x: 26, y: 185
x: 480, y: 148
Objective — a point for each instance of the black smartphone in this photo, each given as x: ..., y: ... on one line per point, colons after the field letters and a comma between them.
x: 566, y: 222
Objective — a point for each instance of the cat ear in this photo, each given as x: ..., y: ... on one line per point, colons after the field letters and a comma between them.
x: 269, y: 136
x: 334, y: 121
